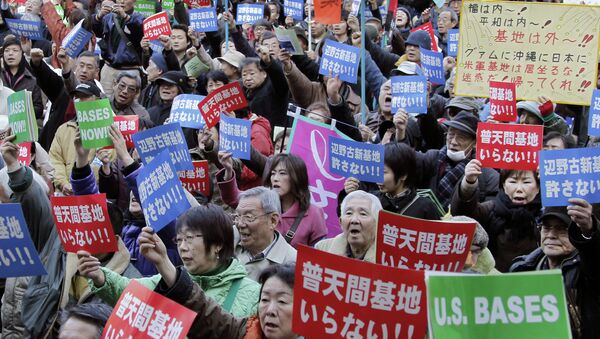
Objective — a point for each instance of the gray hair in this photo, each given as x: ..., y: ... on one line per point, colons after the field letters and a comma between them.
x: 453, y: 15
x: 269, y: 199
x: 359, y: 194
x: 128, y: 74
x: 480, y: 238
x: 96, y: 314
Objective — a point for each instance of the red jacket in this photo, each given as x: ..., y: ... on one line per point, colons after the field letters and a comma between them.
x: 260, y: 138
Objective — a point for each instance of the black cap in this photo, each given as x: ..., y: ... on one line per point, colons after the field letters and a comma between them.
x: 86, y: 89
x: 464, y: 121
x: 559, y: 212
x: 176, y: 78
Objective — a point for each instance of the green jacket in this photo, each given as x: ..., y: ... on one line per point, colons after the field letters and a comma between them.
x: 215, y: 286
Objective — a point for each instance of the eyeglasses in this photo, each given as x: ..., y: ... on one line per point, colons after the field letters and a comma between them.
x: 557, y: 230
x: 246, y: 218
x: 129, y: 89
x: 187, y: 238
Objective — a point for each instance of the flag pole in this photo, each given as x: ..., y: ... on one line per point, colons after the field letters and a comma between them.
x: 363, y: 95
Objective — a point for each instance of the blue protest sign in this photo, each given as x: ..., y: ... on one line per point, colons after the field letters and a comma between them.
x: 453, y: 42
x: 28, y: 29
x: 185, y: 111
x: 151, y: 142
x: 234, y: 136
x: 160, y: 191
x: 76, y: 40
x: 409, y: 93
x: 355, y: 7
x: 432, y: 64
x: 360, y: 160
x: 570, y: 173
x: 294, y: 8
x: 594, y: 116
x: 156, y: 46
x: 203, y: 19
x: 18, y: 256
x: 249, y: 13
x: 340, y: 59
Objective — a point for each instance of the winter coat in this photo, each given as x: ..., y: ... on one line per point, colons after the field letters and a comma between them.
x: 279, y: 253
x: 260, y: 139
x: 270, y: 99
x: 134, y: 109
x: 339, y: 246
x: 413, y: 206
x: 114, y: 185
x: 26, y: 81
x: 113, y: 48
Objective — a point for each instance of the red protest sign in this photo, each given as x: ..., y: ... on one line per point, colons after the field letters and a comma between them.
x: 128, y: 125
x: 142, y: 313
x: 196, y: 180
x: 428, y: 27
x: 418, y: 244
x: 83, y: 223
x: 509, y: 146
x: 328, y: 11
x: 503, y: 104
x: 226, y: 99
x: 157, y: 25
x: 197, y: 3
x: 24, y: 157
x: 335, y: 296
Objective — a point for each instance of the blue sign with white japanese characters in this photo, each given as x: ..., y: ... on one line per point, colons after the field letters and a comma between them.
x: 570, y: 173
x: 185, y: 111
x: 151, y: 142
x: 234, y: 136
x: 409, y: 93
x: 453, y: 42
x: 76, y: 40
x: 432, y: 64
x: 594, y: 116
x: 249, y: 13
x: 341, y: 60
x: 18, y: 256
x: 28, y: 29
x: 355, y: 159
x: 155, y: 46
x: 294, y: 8
x: 203, y: 19
x: 160, y: 192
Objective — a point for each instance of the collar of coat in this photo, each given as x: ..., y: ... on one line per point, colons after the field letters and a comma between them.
x: 339, y: 245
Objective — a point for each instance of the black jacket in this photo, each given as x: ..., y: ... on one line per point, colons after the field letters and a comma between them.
x: 270, y: 100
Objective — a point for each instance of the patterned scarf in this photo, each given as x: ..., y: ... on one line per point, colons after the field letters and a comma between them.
x: 449, y: 173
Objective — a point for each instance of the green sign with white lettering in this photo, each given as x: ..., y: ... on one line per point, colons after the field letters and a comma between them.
x: 145, y: 7
x: 21, y: 116
x: 94, y: 118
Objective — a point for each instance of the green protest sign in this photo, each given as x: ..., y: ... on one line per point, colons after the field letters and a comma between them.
x: 515, y: 305
x: 94, y: 118
x: 21, y: 116
x: 168, y: 5
x: 145, y: 7
x: 194, y: 67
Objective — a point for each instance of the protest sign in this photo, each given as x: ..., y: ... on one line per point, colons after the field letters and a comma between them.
x: 227, y: 98
x: 335, y: 296
x: 145, y: 7
x: 28, y: 29
x: 24, y: 153
x: 594, y: 115
x: 157, y: 25
x: 432, y: 64
x: 428, y: 27
x: 453, y: 35
x: 161, y: 194
x: 151, y: 142
x: 469, y: 306
x: 543, y: 48
x: 168, y: 6
x: 83, y: 223
x: 184, y: 110
x: 360, y: 160
x: 156, y: 46
x: 249, y: 13
x: 196, y: 180
x: 570, y: 173
x: 294, y: 8
x: 199, y: 3
x: 503, y: 106
x: 203, y: 19
x: 21, y: 116
x: 355, y: 7
x: 289, y: 40
x: 194, y: 67
x: 18, y: 255
x: 143, y: 313
x: 341, y: 60
x: 94, y: 118
x: 234, y: 136
x: 409, y: 93
x: 417, y: 244
x: 328, y: 12
x: 128, y: 126
x: 584, y: 2
x: 510, y: 146
x: 76, y: 40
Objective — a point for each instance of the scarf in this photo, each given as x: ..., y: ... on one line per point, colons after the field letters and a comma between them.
x: 518, y: 219
x: 11, y: 80
x: 449, y: 173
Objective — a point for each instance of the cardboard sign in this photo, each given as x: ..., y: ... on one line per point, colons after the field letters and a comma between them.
x: 409, y: 93
x: 341, y: 60
x: 151, y: 142
x: 328, y: 12
x: 24, y: 153
x: 32, y: 30
x: 428, y: 27
x: 157, y: 25
x: 76, y: 40
x: 18, y: 256
x: 249, y: 13
x: 234, y: 136
x: 94, y: 119
x: 497, y: 306
x: 335, y: 296
x: 356, y: 159
x: 509, y: 146
x: 227, y: 98
x: 203, y: 19
x: 128, y: 125
x: 185, y: 111
x: 161, y: 194
x: 594, y: 115
x: 21, y: 116
x: 145, y: 7
x: 417, y: 244
x: 569, y: 173
x: 503, y: 106
x: 142, y: 313
x: 432, y: 64
x: 197, y: 180
x: 194, y: 67
x: 453, y: 35
x: 294, y: 8
x: 83, y: 223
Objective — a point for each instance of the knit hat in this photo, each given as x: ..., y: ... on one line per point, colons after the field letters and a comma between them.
x: 464, y: 121
x: 420, y: 39
x: 159, y: 60
x: 480, y: 238
x: 466, y: 103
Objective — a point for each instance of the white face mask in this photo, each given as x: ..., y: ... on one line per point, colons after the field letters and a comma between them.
x: 457, y: 156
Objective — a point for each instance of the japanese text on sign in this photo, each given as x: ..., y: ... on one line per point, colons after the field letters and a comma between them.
x: 234, y: 136
x: 227, y: 98
x: 432, y: 65
x: 157, y: 25
x: 356, y: 159
x: 594, y: 115
x: 453, y: 35
x: 185, y: 111
x: 503, y: 105
x: 249, y: 13
x: 24, y: 157
x: 509, y: 146
x: 409, y: 93
x: 197, y: 180
x: 76, y: 40
x: 340, y: 60
x: 203, y: 19
x: 294, y: 8
x: 151, y: 142
x: 28, y: 29
x: 128, y: 125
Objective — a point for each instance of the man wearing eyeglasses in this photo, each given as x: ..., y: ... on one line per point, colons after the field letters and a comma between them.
x: 570, y: 241
x: 258, y: 244
x: 125, y: 89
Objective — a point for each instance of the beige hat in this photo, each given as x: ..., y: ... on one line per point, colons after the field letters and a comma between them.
x: 234, y: 58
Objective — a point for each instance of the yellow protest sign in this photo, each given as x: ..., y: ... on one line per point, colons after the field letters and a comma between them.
x: 544, y: 48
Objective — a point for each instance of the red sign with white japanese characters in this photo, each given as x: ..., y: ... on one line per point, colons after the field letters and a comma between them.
x: 128, y: 125
x: 83, y: 223
x: 226, y: 99
x: 428, y: 27
x: 196, y: 180
x: 335, y: 296
x: 142, y: 313
x: 197, y: 3
x: 157, y: 25
x: 24, y: 157
x: 509, y: 146
x: 418, y: 244
x: 503, y: 103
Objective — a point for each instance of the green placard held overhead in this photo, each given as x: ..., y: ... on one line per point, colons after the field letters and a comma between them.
x: 21, y: 116
x: 94, y: 118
